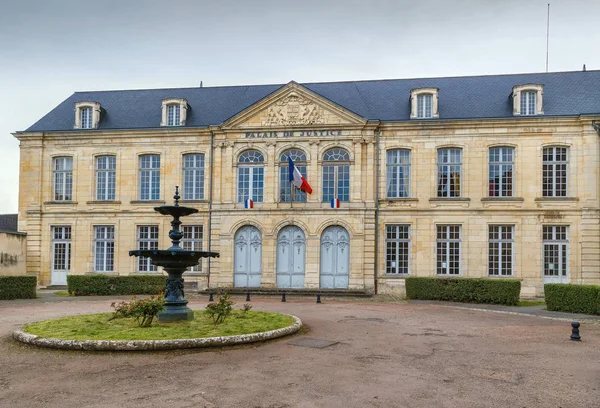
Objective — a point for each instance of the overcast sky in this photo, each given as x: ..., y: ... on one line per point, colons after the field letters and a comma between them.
x: 50, y: 49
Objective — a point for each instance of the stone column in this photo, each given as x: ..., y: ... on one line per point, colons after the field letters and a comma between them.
x: 370, y: 170
x: 229, y: 174
x: 355, y: 182
x: 217, y: 173
x: 313, y: 172
x: 271, y: 181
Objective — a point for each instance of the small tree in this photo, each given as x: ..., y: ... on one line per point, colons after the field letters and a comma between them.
x: 143, y: 310
x: 220, y: 310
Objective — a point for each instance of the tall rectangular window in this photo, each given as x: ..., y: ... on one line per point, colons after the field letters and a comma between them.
x: 424, y: 103
x: 449, y: 172
x: 150, y: 177
x: 398, y: 173
x: 336, y: 175
x: 85, y: 118
x: 554, y: 172
x: 251, y: 176
x: 193, y: 176
x: 448, y: 249
x: 104, y: 248
x: 106, y: 170
x: 397, y: 243
x: 173, y: 115
x: 63, y: 178
x: 147, y: 238
x: 192, y: 241
x: 286, y: 192
x: 501, y: 171
x: 528, y: 102
x: 61, y: 248
x: 500, y: 253
x: 555, y: 240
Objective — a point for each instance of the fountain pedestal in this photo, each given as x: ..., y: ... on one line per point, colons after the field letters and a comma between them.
x: 175, y: 261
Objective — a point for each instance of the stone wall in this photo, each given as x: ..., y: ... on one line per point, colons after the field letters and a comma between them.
x: 13, y: 249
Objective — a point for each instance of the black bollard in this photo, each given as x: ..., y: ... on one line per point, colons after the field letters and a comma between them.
x: 575, y: 331
x: 211, y: 297
x: 248, y: 296
x: 318, y: 298
x: 283, y: 297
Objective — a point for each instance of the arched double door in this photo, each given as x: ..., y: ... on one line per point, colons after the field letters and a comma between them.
x: 335, y: 258
x: 248, y: 257
x: 291, y: 257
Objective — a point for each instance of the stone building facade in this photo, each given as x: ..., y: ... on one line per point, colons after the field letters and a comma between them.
x: 494, y: 176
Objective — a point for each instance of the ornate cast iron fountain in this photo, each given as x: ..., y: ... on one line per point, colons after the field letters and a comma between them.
x: 175, y: 261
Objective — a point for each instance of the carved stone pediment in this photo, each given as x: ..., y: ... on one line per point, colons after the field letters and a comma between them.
x: 294, y: 110
x: 293, y: 105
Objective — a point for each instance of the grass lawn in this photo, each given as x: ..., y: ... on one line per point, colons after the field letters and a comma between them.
x: 99, y: 327
x: 63, y: 294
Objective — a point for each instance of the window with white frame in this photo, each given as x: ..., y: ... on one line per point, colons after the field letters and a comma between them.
x: 173, y: 115
x: 63, y: 178
x: 501, y: 171
x: 555, y: 240
x: 398, y: 173
x: 336, y: 175
x: 150, y: 177
x: 285, y: 190
x: 251, y: 176
x: 106, y: 171
x: 424, y: 106
x: 449, y: 172
x: 554, y: 171
x: 448, y: 249
x: 193, y: 176
x: 86, y: 117
x: 424, y: 103
x: 397, y: 243
x: 528, y: 102
x: 192, y: 241
x: 147, y: 238
x: 104, y: 248
x: 500, y: 253
x: 61, y: 248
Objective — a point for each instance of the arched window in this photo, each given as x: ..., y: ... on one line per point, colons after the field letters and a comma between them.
x: 285, y: 192
x: 449, y: 172
x: 502, y: 162
x: 251, y: 176
x: 336, y: 175
x: 193, y: 176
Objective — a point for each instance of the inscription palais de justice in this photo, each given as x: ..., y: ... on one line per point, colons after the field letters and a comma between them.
x: 293, y: 133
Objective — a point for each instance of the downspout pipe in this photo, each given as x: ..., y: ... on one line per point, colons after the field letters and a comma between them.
x: 376, y: 263
x: 210, y: 203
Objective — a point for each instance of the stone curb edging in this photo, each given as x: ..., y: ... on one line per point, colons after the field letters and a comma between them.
x: 563, y: 319
x: 146, y: 345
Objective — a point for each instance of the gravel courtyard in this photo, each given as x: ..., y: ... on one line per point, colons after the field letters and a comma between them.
x: 386, y: 355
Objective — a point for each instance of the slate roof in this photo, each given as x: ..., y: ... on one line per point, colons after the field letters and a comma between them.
x: 9, y: 222
x: 474, y: 97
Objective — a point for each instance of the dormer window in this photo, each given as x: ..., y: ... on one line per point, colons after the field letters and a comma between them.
x: 173, y: 116
x: 527, y: 100
x: 174, y: 112
x: 424, y: 103
x: 87, y: 115
x: 86, y: 118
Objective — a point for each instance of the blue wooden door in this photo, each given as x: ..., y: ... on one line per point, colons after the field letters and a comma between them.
x: 248, y: 257
x: 335, y: 258
x: 291, y: 255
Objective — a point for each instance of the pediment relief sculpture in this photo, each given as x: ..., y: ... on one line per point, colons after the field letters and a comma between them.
x: 293, y: 110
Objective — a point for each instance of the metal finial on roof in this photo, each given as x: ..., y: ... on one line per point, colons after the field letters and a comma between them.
x: 176, y: 196
x: 200, y: 84
x: 584, y: 68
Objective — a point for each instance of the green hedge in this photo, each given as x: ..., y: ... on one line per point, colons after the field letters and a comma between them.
x: 86, y: 285
x: 470, y: 290
x: 17, y: 287
x: 562, y: 297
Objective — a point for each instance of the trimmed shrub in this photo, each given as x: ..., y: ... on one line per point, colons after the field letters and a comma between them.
x: 17, y: 287
x: 90, y: 285
x: 468, y: 290
x: 569, y: 298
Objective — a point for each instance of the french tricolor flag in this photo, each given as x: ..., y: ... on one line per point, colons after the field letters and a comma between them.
x: 297, y: 179
x: 248, y: 203
x: 335, y: 203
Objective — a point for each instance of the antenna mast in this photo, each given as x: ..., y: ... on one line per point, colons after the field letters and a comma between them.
x: 547, y: 35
